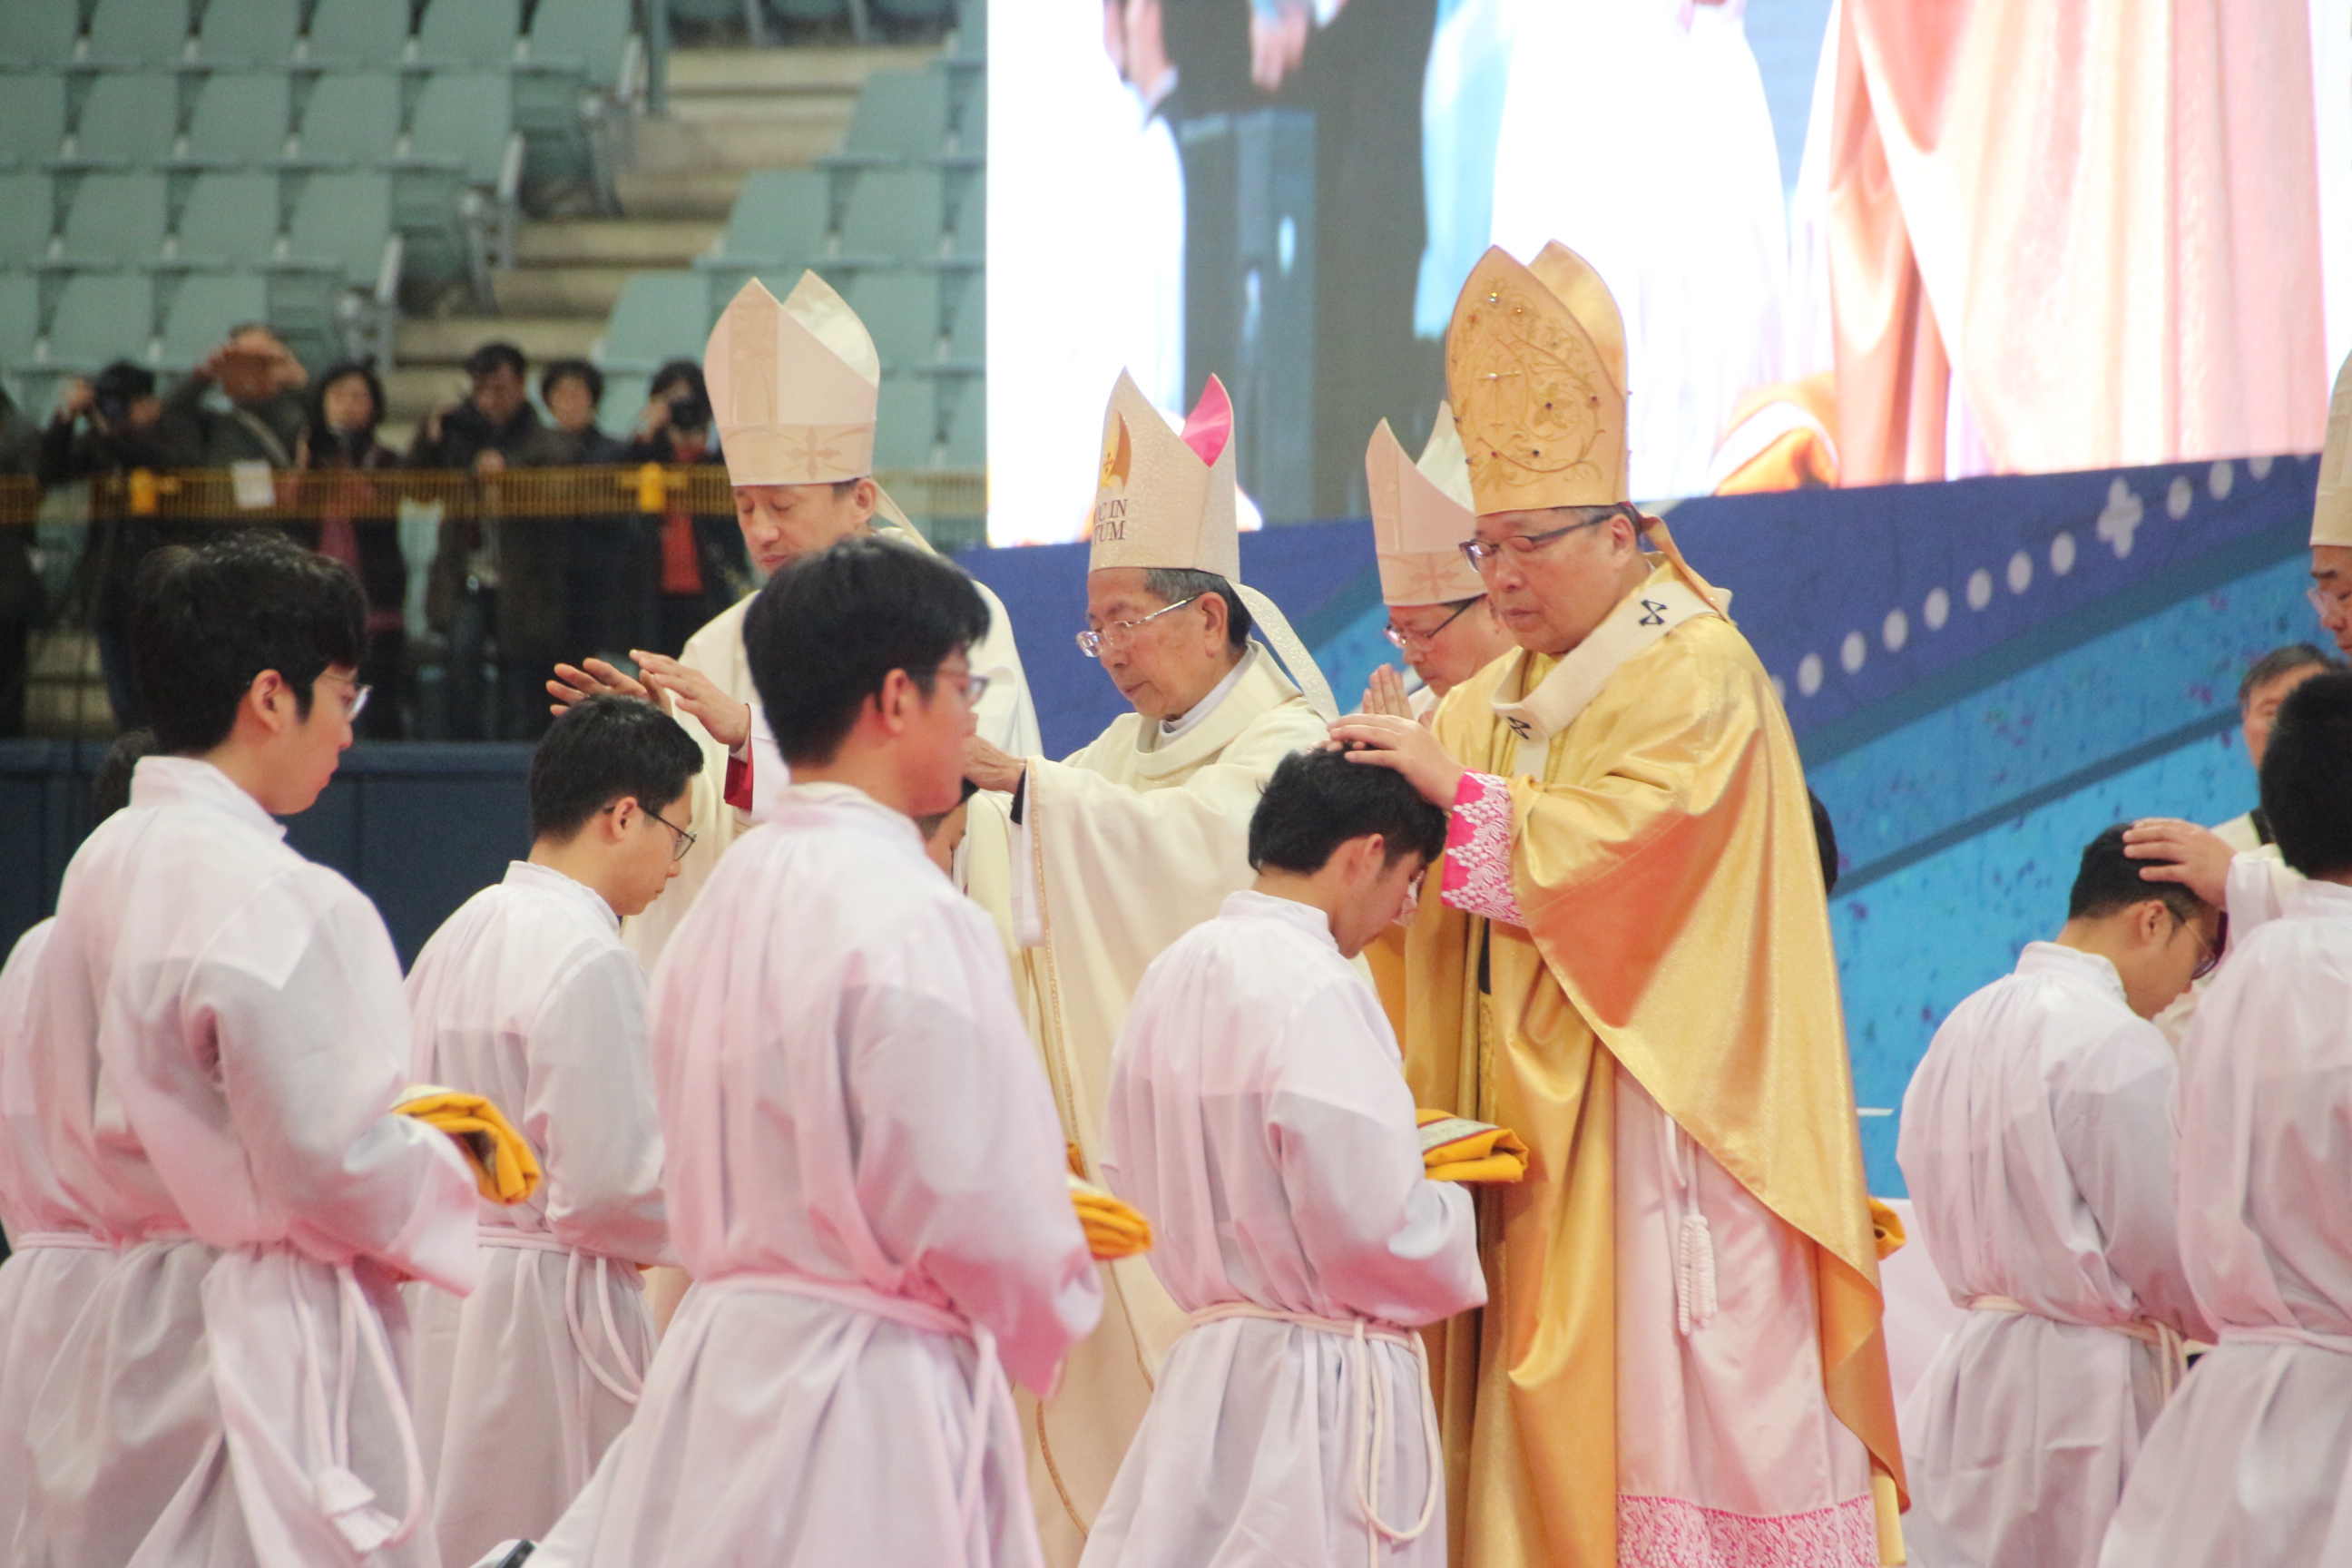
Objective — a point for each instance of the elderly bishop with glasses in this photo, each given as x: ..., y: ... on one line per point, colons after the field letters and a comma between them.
x: 1627, y: 960
x: 1097, y: 862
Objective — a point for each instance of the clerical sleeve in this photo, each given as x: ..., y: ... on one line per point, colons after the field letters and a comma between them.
x: 590, y: 1107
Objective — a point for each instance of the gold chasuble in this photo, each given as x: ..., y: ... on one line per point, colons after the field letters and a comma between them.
x: 1676, y: 951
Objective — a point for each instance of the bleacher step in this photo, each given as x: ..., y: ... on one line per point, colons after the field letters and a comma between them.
x: 449, y: 339
x: 702, y: 194
x: 626, y: 243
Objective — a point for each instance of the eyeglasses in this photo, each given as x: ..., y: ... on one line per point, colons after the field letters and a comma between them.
x: 1482, y: 553
x: 356, y: 703
x: 975, y: 687
x: 2329, y: 606
x: 1116, y: 634
x: 684, y: 840
x: 2209, y: 955
x: 1403, y: 635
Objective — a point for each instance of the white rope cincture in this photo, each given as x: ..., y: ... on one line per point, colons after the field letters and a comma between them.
x: 348, y: 1501
x: 1693, y: 1241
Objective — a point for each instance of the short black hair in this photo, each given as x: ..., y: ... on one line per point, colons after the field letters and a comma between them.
x: 1319, y: 800
x: 2109, y: 881
x: 578, y: 370
x: 831, y: 625
x: 2307, y: 776
x: 204, y: 623
x: 597, y: 752
x: 110, y: 787
x: 493, y: 355
x: 677, y: 373
x: 123, y: 381
x: 689, y: 411
x: 1174, y: 585
x: 2281, y: 661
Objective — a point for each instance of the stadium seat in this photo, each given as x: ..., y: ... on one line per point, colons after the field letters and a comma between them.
x: 900, y: 114
x: 811, y: 13
x: 660, y: 316
x: 37, y: 32
x: 249, y: 32
x: 343, y: 216
x: 139, y: 32
x: 32, y: 115
x: 967, y: 214
x: 350, y: 116
x: 468, y: 32
x: 231, y: 216
x: 916, y: 11
x: 464, y: 116
x: 129, y: 117
x: 241, y: 117
x: 895, y: 213
x: 117, y: 218
x: 594, y: 33
x: 905, y: 423
x: 26, y: 215
x: 900, y: 307
x: 968, y: 425
x: 357, y: 32
x: 203, y: 307
x: 20, y: 317
x: 778, y: 214
x: 965, y: 298
x: 102, y: 316
x: 972, y: 29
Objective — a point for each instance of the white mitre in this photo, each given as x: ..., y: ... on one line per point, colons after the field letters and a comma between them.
x: 2331, y: 510
x: 1421, y: 514
x: 792, y: 386
x: 1165, y: 500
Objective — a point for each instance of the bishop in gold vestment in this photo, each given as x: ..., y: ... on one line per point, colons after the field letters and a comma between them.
x: 1627, y: 960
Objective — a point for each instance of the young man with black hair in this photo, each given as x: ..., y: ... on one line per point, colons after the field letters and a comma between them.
x: 233, y: 1393
x: 865, y: 1173
x: 526, y: 996
x: 2037, y: 1140
x: 2246, y: 1467
x: 1258, y: 1114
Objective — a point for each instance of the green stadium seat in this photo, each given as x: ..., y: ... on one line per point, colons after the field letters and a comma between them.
x: 972, y: 29
x: 900, y: 307
x: 895, y: 213
x: 594, y: 33
x: 139, y: 32
x: 249, y: 32
x: 102, y: 316
x: 117, y: 218
x: 468, y: 32
x: 241, y: 117
x: 778, y: 214
x: 203, y: 307
x: 464, y: 116
x: 231, y: 216
x: 27, y: 214
x: 37, y: 32
x: 351, y: 117
x: 20, y: 318
x: 343, y: 216
x: 660, y: 316
x: 32, y: 115
x: 357, y: 32
x: 900, y: 114
x: 129, y: 117
x: 811, y: 13
x: 905, y: 423
x: 968, y: 425
x: 916, y: 13
x: 967, y: 214
x: 965, y: 298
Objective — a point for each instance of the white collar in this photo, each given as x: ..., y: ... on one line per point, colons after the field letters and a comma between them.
x: 2313, y: 900
x: 524, y: 874
x: 825, y: 796
x: 1250, y: 904
x: 2055, y: 958
x: 1171, y: 728
x: 191, y: 780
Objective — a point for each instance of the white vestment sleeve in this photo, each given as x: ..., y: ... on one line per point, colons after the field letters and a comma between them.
x: 591, y: 1107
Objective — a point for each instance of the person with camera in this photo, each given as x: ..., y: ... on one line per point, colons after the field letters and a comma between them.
x: 700, y: 560
x: 107, y: 426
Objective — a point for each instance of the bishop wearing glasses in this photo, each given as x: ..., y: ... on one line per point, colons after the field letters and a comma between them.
x: 1626, y: 959
x: 1095, y: 863
x: 1439, y: 615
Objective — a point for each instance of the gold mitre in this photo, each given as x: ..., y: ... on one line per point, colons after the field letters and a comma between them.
x: 792, y: 386
x: 1535, y: 358
x: 2331, y: 509
x: 1422, y: 512
x: 1164, y: 498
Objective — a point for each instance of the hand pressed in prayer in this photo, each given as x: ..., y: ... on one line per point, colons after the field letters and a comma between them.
x: 1385, y: 695
x: 727, y: 720
x: 992, y: 767
x: 1381, y: 739
x: 2194, y: 857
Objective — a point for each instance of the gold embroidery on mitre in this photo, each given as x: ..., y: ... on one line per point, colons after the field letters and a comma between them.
x: 801, y: 454
x: 1119, y: 453
x: 1421, y: 576
x: 1542, y: 422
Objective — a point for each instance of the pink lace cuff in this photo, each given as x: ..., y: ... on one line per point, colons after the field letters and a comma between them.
x: 1477, y: 879
x: 1667, y: 1533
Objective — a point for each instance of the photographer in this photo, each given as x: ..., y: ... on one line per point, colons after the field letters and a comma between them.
x: 102, y: 429
x: 699, y: 561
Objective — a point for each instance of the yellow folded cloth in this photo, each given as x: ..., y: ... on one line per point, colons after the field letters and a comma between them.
x: 1113, y: 1228
x: 1456, y: 1149
x: 1886, y: 1230
x: 504, y: 1167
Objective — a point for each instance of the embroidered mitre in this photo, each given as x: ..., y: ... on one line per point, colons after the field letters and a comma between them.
x: 1164, y: 498
x: 1534, y: 359
x: 1422, y: 512
x: 793, y: 385
x: 2331, y: 510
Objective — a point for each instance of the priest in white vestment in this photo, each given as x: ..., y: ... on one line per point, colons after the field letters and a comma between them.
x: 1103, y: 860
x: 2038, y: 1143
x: 864, y: 1173
x: 233, y: 1394
x: 526, y: 996
x: 1439, y: 615
x: 794, y: 386
x: 1258, y: 1114
x: 2251, y: 1464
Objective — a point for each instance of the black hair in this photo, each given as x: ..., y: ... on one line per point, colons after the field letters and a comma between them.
x: 2307, y: 776
x: 340, y: 372
x: 123, y: 381
x: 493, y: 355
x: 110, y: 787
x: 689, y: 411
x: 1174, y: 585
x: 204, y: 623
x: 579, y: 370
x: 831, y: 625
x: 2109, y: 881
x: 1825, y: 842
x: 2281, y: 661
x: 677, y: 372
x: 1319, y: 800
x: 597, y: 752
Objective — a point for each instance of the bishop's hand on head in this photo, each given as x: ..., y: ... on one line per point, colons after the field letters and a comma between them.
x: 1381, y: 739
x: 595, y: 678
x: 2181, y: 852
x: 681, y: 685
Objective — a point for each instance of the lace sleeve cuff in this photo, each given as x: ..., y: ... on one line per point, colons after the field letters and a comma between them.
x: 1479, y: 850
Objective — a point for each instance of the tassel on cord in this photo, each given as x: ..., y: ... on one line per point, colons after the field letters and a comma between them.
x: 1695, y: 1275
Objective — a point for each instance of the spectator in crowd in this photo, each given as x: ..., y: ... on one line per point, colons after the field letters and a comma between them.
x: 699, y: 563
x: 607, y: 590
x: 264, y: 384
x: 104, y: 427
x: 474, y: 594
x: 20, y: 583
x: 345, y: 410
